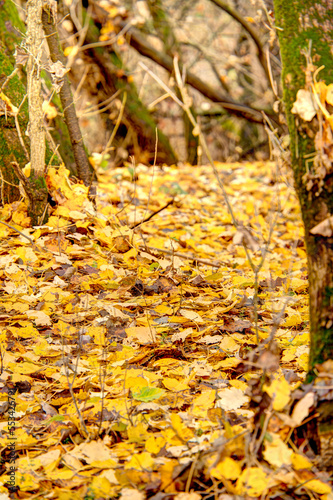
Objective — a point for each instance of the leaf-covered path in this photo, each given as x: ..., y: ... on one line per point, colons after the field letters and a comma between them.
x: 129, y: 351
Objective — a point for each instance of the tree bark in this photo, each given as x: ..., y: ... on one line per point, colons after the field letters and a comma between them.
x: 34, y: 42
x: 136, y: 115
x: 10, y: 146
x: 11, y: 149
x: 303, y: 24
x: 81, y: 159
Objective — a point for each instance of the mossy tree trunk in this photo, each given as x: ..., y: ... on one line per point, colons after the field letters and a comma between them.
x: 303, y: 24
x: 112, y: 72
x: 11, y: 149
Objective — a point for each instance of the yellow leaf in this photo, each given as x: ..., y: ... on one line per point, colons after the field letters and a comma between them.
x: 206, y: 398
x: 71, y: 51
x: 113, y: 12
x: 76, y: 215
x: 175, y: 385
x: 26, y: 331
x: 303, y: 361
x: 144, y: 335
x: 132, y: 494
x: 321, y: 90
x: 187, y: 496
x: 239, y: 384
x: 227, y: 469
x: 131, y: 254
x: 137, y: 433
x: 171, y: 438
x: 277, y: 453
x: 253, y: 482
x: 192, y: 315
x: 318, y: 487
x: 39, y: 317
x: 163, y: 309
x: 23, y: 368
x: 6, y: 105
x: 154, y: 444
x: 135, y: 382
x: 231, y: 399
x: 227, y: 363
x: 293, y: 320
x: 26, y: 254
x: 49, y: 110
x: 181, y: 430
x: 300, y: 462
x: 140, y: 461
x: 98, y: 333
x: 298, y: 285
x: 110, y: 475
x: 329, y: 94
x: 26, y: 482
x: 305, y: 105
x: 279, y: 391
x: 229, y: 344
x: 95, y: 454
x: 100, y: 487
x: 62, y: 474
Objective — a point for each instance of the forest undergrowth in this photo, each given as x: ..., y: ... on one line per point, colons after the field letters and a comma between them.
x: 129, y: 349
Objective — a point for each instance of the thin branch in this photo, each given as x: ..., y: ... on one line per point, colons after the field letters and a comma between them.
x: 200, y: 49
x: 146, y: 219
x: 117, y: 125
x: 260, y: 49
x: 187, y: 256
x: 19, y: 232
x: 67, y: 103
x: 139, y: 43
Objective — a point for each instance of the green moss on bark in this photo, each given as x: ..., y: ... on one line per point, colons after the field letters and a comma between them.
x: 305, y: 33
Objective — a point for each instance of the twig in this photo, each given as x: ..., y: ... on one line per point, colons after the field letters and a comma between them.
x: 249, y: 29
x: 7, y: 80
x: 187, y: 256
x: 152, y: 214
x: 14, y: 229
x: 18, y: 129
x: 118, y: 122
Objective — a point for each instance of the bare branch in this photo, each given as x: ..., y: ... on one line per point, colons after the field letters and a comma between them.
x: 260, y: 49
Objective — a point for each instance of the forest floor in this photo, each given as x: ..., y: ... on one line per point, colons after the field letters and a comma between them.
x: 155, y: 360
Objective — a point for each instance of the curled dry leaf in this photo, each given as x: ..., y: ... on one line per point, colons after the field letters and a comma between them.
x: 244, y: 237
x: 6, y: 107
x: 324, y: 228
x: 305, y: 105
x: 302, y: 408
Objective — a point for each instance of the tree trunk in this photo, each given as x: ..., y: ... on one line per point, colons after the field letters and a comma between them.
x: 11, y: 149
x: 303, y: 24
x: 72, y: 122
x: 107, y: 67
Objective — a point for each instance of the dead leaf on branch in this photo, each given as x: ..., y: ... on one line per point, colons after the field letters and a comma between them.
x: 305, y: 105
x: 324, y: 228
x: 58, y: 72
x: 244, y: 237
x: 6, y: 106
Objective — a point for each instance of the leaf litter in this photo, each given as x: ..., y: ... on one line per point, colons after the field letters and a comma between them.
x: 131, y: 348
